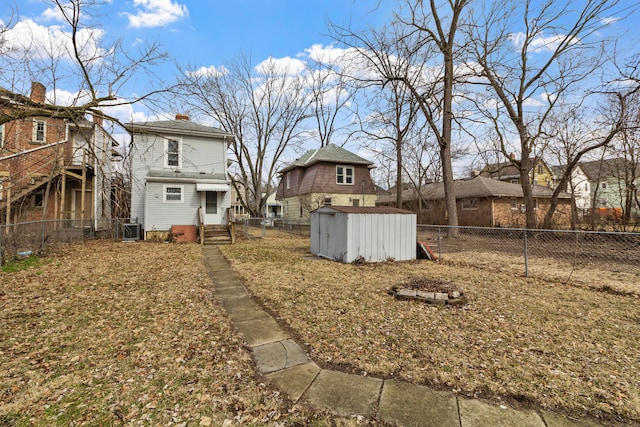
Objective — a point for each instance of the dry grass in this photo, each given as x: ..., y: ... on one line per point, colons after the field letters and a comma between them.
x: 528, y: 342
x: 109, y: 333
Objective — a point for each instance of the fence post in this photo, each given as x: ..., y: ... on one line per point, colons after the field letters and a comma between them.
x: 42, y: 236
x: 1, y: 245
x: 526, y: 254
x: 439, y: 246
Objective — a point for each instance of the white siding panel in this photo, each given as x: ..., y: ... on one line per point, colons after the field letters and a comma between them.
x: 162, y: 215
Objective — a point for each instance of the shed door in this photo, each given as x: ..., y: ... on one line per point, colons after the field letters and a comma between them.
x: 326, y: 230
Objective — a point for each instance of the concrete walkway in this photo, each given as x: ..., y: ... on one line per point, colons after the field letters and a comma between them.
x: 286, y: 365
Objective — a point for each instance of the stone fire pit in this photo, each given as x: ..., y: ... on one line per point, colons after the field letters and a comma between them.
x: 429, y: 291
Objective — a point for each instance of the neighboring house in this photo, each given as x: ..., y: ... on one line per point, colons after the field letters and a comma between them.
x: 540, y: 173
x: 54, y: 168
x: 578, y: 186
x: 179, y: 176
x: 329, y: 176
x: 485, y: 202
x: 272, y: 207
x: 238, y: 209
x: 612, y: 186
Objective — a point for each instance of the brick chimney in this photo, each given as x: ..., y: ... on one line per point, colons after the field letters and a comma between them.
x: 97, y: 119
x: 38, y: 92
x: 182, y: 117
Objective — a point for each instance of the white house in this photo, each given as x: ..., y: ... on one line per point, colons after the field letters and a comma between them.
x: 179, y: 172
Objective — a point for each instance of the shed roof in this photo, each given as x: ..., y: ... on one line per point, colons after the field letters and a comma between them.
x: 329, y: 153
x: 367, y: 209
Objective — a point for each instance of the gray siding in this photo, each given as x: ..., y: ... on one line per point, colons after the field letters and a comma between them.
x: 374, y: 237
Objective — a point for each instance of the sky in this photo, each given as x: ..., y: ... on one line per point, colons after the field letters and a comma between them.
x: 210, y: 33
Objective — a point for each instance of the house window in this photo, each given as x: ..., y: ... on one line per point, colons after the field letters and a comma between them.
x: 300, y: 209
x: 470, y: 203
x: 286, y: 207
x: 173, y: 193
x: 514, y: 181
x: 603, y: 185
x: 539, y: 169
x: 39, y: 128
x: 514, y: 203
x: 327, y: 201
x: 604, y: 203
x: 1, y: 136
x: 173, y: 148
x: 37, y: 200
x: 211, y: 206
x: 355, y: 202
x: 344, y: 175
x: 288, y: 179
x: 535, y: 203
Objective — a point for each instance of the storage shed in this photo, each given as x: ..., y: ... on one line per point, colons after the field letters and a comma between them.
x: 347, y: 233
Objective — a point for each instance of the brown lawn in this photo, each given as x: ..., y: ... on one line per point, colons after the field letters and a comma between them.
x: 525, y: 342
x: 105, y: 333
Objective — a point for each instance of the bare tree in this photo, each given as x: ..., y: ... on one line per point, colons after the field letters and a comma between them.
x: 331, y: 96
x: 98, y: 71
x: 263, y: 107
x: 532, y: 55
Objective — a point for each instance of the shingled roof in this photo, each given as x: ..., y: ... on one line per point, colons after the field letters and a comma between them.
x: 607, y: 168
x: 479, y: 186
x: 178, y: 127
x: 329, y: 153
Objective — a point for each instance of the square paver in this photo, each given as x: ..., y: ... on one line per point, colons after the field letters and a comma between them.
x: 278, y: 355
x: 474, y: 413
x: 345, y: 394
x: 261, y: 331
x: 294, y: 381
x: 413, y: 405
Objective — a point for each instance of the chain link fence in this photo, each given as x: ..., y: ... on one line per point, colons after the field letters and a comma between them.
x: 31, y: 238
x: 606, y: 258
x: 252, y: 228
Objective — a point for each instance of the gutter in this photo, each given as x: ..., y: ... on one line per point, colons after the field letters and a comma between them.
x: 40, y: 147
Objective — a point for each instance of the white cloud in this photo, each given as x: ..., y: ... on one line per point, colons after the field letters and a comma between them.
x: 610, y: 20
x: 210, y: 71
x: 35, y: 41
x: 325, y: 54
x: 156, y: 13
x: 287, y: 66
x: 52, y: 14
x: 540, y: 43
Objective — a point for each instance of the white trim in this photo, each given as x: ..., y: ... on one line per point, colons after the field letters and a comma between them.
x: 164, y: 193
x: 200, y: 186
x: 34, y: 136
x: 166, y: 153
x: 344, y: 175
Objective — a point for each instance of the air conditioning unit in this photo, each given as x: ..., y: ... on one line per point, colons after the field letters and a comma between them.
x: 130, y: 232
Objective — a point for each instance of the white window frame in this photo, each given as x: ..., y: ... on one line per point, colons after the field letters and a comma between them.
x: 288, y: 179
x: 165, y: 193
x: 327, y: 201
x: 535, y: 204
x: 345, y: 175
x: 166, y: 153
x: 475, y: 202
x: 514, y: 203
x: 34, y: 136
